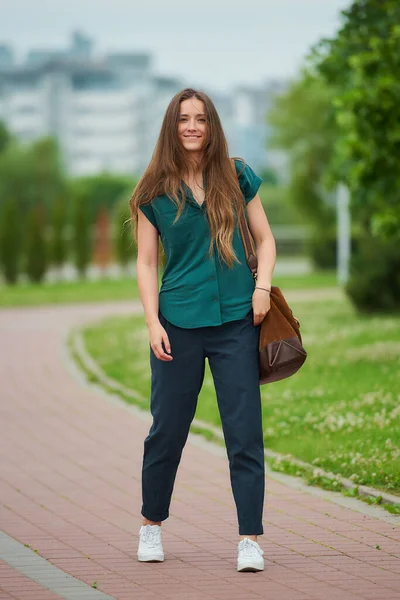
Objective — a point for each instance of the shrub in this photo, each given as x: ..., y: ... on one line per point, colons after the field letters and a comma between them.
x: 322, y: 248
x: 374, y: 284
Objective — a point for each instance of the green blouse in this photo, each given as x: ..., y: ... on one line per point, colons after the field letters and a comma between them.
x: 196, y: 290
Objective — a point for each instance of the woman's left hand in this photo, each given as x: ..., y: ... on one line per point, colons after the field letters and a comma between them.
x: 261, y: 305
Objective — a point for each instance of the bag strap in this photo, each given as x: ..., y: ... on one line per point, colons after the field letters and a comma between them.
x: 247, y: 238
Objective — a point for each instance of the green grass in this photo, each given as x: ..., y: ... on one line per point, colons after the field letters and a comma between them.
x: 119, y: 289
x: 30, y: 294
x: 340, y: 412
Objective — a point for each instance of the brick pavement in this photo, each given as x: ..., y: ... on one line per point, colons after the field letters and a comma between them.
x: 70, y: 488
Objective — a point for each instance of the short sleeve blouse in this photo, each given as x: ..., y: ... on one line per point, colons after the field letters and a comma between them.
x: 197, y: 290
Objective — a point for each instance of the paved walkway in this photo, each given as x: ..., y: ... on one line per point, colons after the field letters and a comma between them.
x: 70, y: 499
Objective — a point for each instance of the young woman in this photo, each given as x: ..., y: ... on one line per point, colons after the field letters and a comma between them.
x: 208, y: 305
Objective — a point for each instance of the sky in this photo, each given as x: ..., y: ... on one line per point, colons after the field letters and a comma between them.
x: 215, y: 44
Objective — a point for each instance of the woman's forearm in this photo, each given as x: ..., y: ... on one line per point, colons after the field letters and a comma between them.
x: 147, y: 279
x: 266, y: 257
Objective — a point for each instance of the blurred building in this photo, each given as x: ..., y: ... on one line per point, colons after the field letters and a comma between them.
x: 248, y: 128
x: 106, y: 112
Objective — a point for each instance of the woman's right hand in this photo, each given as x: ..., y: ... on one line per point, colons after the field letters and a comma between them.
x: 157, y: 336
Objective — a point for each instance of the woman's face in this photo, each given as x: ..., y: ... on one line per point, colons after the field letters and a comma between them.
x: 192, y: 126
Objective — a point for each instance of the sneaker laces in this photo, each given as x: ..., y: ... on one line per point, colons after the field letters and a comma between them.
x: 248, y: 549
x: 152, y: 536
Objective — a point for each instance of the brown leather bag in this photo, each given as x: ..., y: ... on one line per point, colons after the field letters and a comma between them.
x: 280, y: 344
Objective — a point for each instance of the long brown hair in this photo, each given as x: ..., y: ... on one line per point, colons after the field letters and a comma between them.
x: 170, y: 161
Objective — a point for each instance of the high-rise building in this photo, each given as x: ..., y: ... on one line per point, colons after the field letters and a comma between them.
x: 106, y: 112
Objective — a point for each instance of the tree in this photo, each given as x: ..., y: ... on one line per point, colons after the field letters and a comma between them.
x: 5, y: 137
x: 31, y: 174
x: 58, y: 244
x: 48, y: 176
x: 124, y: 244
x: 303, y: 124
x: 361, y: 64
x: 101, y: 190
x: 81, y: 235
x: 10, y: 240
x: 102, y: 241
x: 16, y: 175
x: 36, y: 257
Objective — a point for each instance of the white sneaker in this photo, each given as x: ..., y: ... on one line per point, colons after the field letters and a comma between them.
x: 249, y: 556
x: 150, y: 544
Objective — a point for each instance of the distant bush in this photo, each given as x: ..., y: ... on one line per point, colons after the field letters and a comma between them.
x: 374, y: 284
x: 322, y: 247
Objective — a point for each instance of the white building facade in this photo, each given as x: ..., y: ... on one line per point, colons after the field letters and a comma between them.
x: 106, y: 113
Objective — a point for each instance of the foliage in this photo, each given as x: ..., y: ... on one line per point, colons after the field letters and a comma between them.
x: 5, y: 136
x: 16, y: 176
x: 48, y: 175
x: 361, y: 65
x: 102, y: 190
x: 374, y: 283
x: 32, y: 174
x: 58, y: 243
x: 124, y: 243
x: 269, y: 176
x: 322, y: 246
x: 81, y: 235
x: 277, y: 205
x: 10, y: 240
x: 35, y: 246
x: 303, y: 125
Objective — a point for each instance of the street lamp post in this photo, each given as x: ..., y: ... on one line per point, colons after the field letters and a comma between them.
x: 343, y: 233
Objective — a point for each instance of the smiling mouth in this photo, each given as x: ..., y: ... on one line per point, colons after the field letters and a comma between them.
x: 193, y: 137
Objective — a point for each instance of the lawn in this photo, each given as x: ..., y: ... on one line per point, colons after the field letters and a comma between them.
x: 340, y: 412
x: 119, y: 289
x: 30, y: 294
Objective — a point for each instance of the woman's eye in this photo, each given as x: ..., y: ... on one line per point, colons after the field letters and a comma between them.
x: 184, y: 119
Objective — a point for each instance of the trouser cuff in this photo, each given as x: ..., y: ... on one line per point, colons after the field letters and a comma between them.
x: 154, y: 516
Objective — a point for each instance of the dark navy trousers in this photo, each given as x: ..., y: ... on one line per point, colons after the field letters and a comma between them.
x: 232, y: 352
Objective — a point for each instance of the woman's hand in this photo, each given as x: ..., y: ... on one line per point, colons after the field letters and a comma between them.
x: 157, y: 336
x: 261, y: 305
